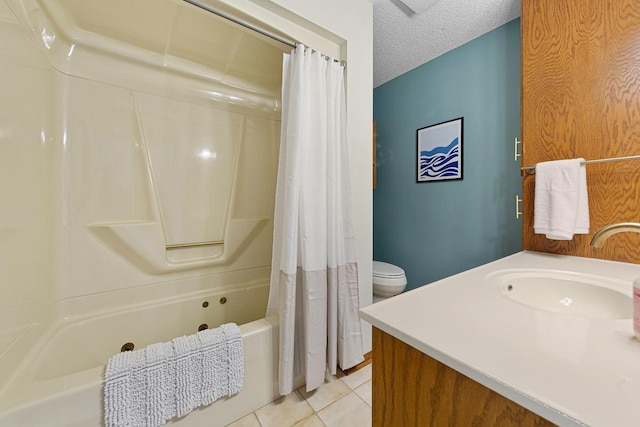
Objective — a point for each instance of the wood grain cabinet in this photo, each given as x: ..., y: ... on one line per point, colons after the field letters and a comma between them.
x: 411, y: 389
x: 581, y: 98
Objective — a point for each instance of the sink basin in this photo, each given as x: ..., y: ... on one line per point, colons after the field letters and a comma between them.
x: 570, y: 296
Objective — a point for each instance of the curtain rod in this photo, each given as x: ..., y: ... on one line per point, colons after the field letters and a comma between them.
x: 532, y: 169
x: 242, y: 22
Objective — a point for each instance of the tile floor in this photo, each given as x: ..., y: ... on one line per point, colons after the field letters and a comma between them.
x: 343, y: 401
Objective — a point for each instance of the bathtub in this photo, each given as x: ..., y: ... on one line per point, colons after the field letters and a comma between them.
x: 60, y: 381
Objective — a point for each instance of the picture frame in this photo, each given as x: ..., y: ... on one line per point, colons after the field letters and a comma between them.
x: 439, y: 151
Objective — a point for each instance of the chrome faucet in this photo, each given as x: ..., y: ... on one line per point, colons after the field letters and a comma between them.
x: 609, y: 230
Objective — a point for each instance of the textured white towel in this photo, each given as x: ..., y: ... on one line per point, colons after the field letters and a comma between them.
x: 188, y: 374
x: 148, y: 387
x: 215, y: 365
x: 561, y: 204
x: 236, y: 357
x: 222, y: 362
x: 125, y: 391
x: 161, y: 380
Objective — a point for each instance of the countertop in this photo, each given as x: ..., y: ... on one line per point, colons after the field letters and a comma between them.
x: 568, y: 369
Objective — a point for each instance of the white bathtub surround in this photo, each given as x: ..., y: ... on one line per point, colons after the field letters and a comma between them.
x: 148, y: 387
x: 561, y: 204
x: 573, y: 370
x: 120, y: 145
x: 314, y: 276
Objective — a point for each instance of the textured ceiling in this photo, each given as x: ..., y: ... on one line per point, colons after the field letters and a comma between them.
x: 403, y: 40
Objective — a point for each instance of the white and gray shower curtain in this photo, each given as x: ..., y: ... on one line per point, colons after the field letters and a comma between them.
x: 314, y: 275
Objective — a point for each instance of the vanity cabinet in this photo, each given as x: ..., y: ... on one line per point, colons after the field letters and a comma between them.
x: 581, y: 98
x: 460, y: 352
x: 413, y: 389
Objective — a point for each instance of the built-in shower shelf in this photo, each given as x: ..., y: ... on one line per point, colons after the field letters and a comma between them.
x: 143, y: 244
x: 196, y: 244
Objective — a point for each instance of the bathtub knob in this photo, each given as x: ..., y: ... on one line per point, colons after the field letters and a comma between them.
x: 203, y: 327
x: 127, y: 347
x: 223, y: 300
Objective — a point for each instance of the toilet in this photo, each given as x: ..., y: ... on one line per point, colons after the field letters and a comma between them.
x: 388, y: 280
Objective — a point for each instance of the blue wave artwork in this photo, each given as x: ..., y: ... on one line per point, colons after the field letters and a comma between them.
x: 441, y: 162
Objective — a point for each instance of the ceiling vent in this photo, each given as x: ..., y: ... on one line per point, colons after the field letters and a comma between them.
x: 419, y: 6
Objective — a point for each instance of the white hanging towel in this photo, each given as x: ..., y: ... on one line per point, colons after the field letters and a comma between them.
x: 561, y: 204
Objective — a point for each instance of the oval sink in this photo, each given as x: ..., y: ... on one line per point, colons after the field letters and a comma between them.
x: 569, y: 296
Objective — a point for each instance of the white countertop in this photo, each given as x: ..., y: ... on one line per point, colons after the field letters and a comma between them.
x: 570, y: 370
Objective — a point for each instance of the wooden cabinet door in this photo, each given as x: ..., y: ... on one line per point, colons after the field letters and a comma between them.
x: 581, y: 98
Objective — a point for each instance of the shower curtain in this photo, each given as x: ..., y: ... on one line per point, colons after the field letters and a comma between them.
x: 314, y: 275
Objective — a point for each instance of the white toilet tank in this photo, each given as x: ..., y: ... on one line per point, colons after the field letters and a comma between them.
x: 388, y: 280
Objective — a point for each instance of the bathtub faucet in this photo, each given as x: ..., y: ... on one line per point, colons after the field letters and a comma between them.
x: 609, y: 230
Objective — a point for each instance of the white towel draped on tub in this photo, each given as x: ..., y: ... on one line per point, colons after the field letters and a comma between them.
x: 561, y: 206
x: 148, y: 387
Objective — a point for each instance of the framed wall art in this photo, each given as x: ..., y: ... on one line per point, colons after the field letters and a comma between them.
x: 439, y: 154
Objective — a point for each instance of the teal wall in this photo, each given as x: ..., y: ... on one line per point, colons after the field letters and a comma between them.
x: 437, y: 229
